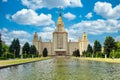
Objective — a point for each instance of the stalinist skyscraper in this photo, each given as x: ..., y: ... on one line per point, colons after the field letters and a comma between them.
x: 60, y: 45
x: 60, y: 38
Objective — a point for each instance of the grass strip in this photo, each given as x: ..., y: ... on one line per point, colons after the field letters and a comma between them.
x: 108, y: 60
x: 4, y: 63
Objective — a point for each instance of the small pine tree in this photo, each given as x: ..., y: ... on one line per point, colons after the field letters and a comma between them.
x: 97, y: 47
x: 109, y: 45
x: 73, y: 53
x: 15, y: 47
x: 45, y: 52
x: 89, y: 50
x: 78, y: 53
x: 33, y: 50
x: 84, y: 53
x: 26, y: 48
x: 11, y: 48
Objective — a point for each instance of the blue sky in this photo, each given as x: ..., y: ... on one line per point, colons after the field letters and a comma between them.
x: 21, y: 18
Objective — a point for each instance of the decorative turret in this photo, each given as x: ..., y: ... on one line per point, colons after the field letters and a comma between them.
x: 84, y: 43
x: 84, y: 37
x: 35, y: 36
x: 40, y: 39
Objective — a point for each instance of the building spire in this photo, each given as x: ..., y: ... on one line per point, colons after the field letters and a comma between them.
x: 60, y: 24
x: 60, y: 11
x: 60, y: 16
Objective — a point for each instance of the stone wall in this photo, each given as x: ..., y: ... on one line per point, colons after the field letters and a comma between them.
x: 49, y: 47
x: 72, y: 46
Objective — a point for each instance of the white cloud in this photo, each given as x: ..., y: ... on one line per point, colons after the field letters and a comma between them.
x: 96, y: 27
x: 5, y: 30
x: 8, y: 36
x: 8, y: 16
x: 23, y: 36
x: 93, y: 27
x: 37, y: 4
x: 30, y: 17
x: 117, y: 38
x: 48, y: 29
x: 89, y: 15
x: 105, y: 9
x: 20, y: 34
x: 91, y: 43
x: 69, y: 16
x: 4, y: 0
x: 46, y: 33
x: 73, y: 35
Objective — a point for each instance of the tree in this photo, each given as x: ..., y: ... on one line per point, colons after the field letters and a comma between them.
x: 26, y: 48
x: 117, y: 46
x: 97, y: 47
x: 84, y: 53
x: 5, y: 47
x: 11, y: 48
x: 115, y: 53
x: 76, y: 53
x: 15, y: 47
x: 109, y: 45
x: 33, y: 50
x: 89, y: 50
x: 45, y: 52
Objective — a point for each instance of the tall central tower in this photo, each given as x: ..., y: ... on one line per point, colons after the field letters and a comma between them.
x: 60, y: 37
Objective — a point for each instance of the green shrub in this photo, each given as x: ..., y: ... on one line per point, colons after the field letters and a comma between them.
x: 88, y: 54
x: 2, y: 58
x: 25, y: 55
x: 115, y: 54
x: 7, y: 55
x: 45, y: 52
x: 99, y: 55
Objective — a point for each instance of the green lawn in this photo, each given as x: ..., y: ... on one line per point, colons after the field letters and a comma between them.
x: 19, y: 61
x: 109, y: 60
